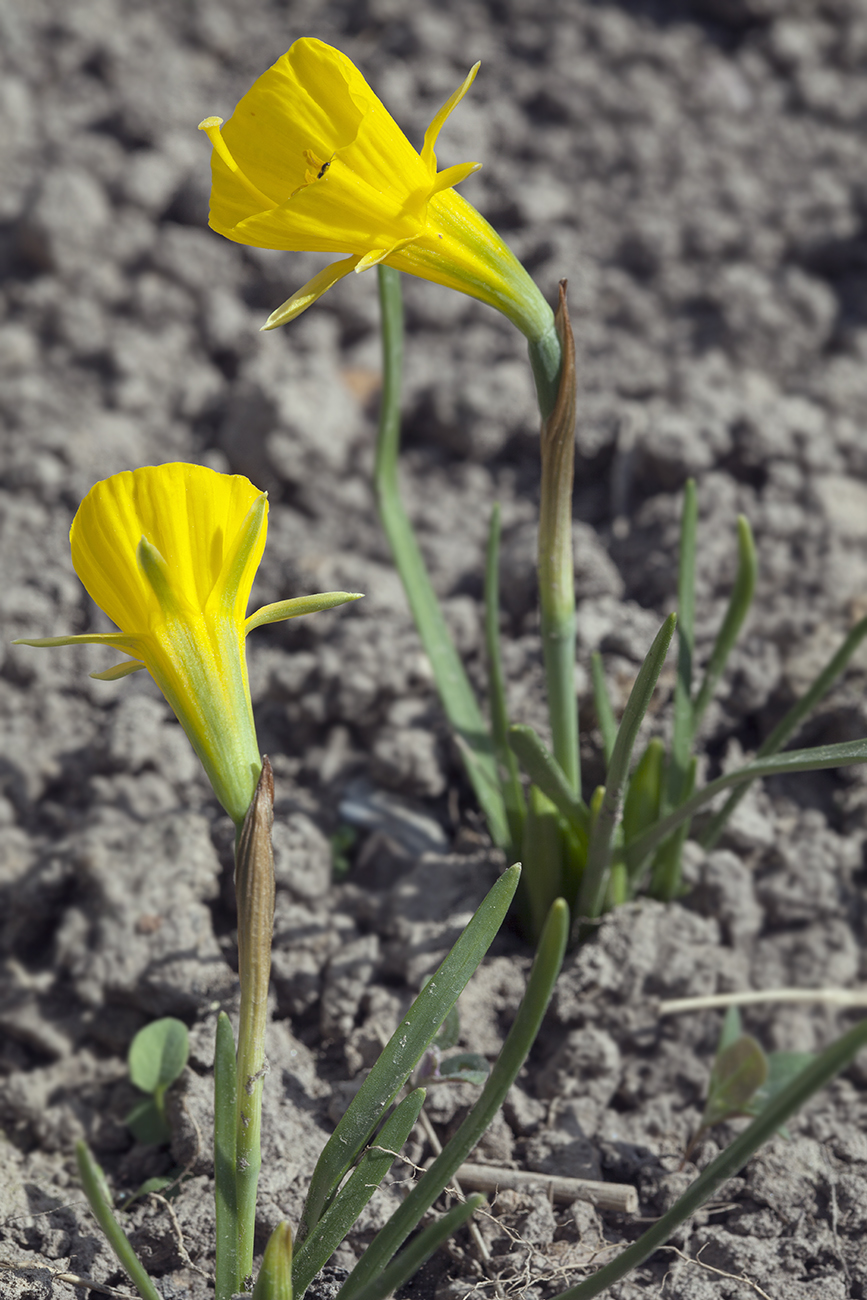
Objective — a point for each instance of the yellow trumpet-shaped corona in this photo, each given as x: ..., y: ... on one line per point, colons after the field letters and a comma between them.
x: 311, y: 161
x: 169, y: 553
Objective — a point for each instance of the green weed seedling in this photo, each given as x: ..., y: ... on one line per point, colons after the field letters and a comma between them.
x: 744, y: 1079
x: 157, y: 1055
x: 461, y: 1067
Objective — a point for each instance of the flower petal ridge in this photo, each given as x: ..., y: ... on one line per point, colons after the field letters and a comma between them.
x: 311, y: 161
x: 169, y: 553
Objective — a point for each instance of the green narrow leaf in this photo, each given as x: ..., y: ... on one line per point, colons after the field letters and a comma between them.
x: 591, y: 895
x: 449, y: 1031
x: 602, y: 700
x: 546, y: 967
x: 156, y: 1184
x: 542, y: 856
x: 783, y: 1068
x: 455, y: 692
x: 738, y: 608
x: 420, y: 1249
x: 731, y: 1029
x: 275, y: 1276
x: 683, y: 726
x: 147, y: 1123
x: 728, y: 1163
x: 667, y: 878
x: 789, y: 725
x: 618, y: 887
x: 464, y: 1067
x: 158, y: 1054
x: 513, y: 795
x: 299, y: 606
x: 844, y: 754
x: 545, y: 772
x: 356, y: 1192
x: 96, y: 1191
x: 407, y: 1045
x: 738, y: 1072
x: 228, y: 1279
x: 644, y: 792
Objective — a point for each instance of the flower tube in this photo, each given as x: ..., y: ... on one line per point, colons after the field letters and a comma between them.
x: 311, y: 161
x: 169, y: 553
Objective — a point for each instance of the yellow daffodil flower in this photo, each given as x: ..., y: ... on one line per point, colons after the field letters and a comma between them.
x: 311, y: 161
x: 169, y: 553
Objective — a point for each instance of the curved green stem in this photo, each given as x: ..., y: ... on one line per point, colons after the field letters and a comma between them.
x: 454, y: 688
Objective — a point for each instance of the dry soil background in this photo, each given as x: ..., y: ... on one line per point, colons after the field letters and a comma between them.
x: 697, y: 171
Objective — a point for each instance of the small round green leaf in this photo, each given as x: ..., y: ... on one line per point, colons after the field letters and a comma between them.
x: 147, y: 1124
x: 158, y: 1054
x: 738, y: 1072
x: 464, y: 1067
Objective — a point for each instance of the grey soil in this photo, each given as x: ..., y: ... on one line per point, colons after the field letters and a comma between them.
x: 697, y: 172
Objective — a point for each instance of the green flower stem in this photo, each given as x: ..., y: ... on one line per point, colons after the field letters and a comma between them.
x: 594, y: 883
x: 254, y: 888
x: 225, y: 1192
x: 455, y: 692
x: 546, y: 360
x: 94, y: 1189
x: 546, y: 967
x: 556, y: 565
x: 728, y: 1163
x: 790, y: 724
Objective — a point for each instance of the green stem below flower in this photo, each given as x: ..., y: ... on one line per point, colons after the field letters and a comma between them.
x: 455, y: 692
x: 254, y: 888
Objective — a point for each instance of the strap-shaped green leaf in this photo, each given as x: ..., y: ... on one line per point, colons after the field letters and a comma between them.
x: 602, y: 700
x: 683, y: 727
x: 420, y: 1249
x: 406, y: 1047
x: 93, y: 1182
x: 844, y: 754
x: 789, y: 725
x: 644, y: 792
x: 513, y: 795
x: 738, y: 608
x: 275, y: 1276
x: 591, y: 895
x: 546, y: 968
x: 544, y: 771
x: 352, y: 1198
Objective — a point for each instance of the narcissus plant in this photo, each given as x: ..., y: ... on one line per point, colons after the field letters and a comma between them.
x: 169, y: 553
x: 311, y: 161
